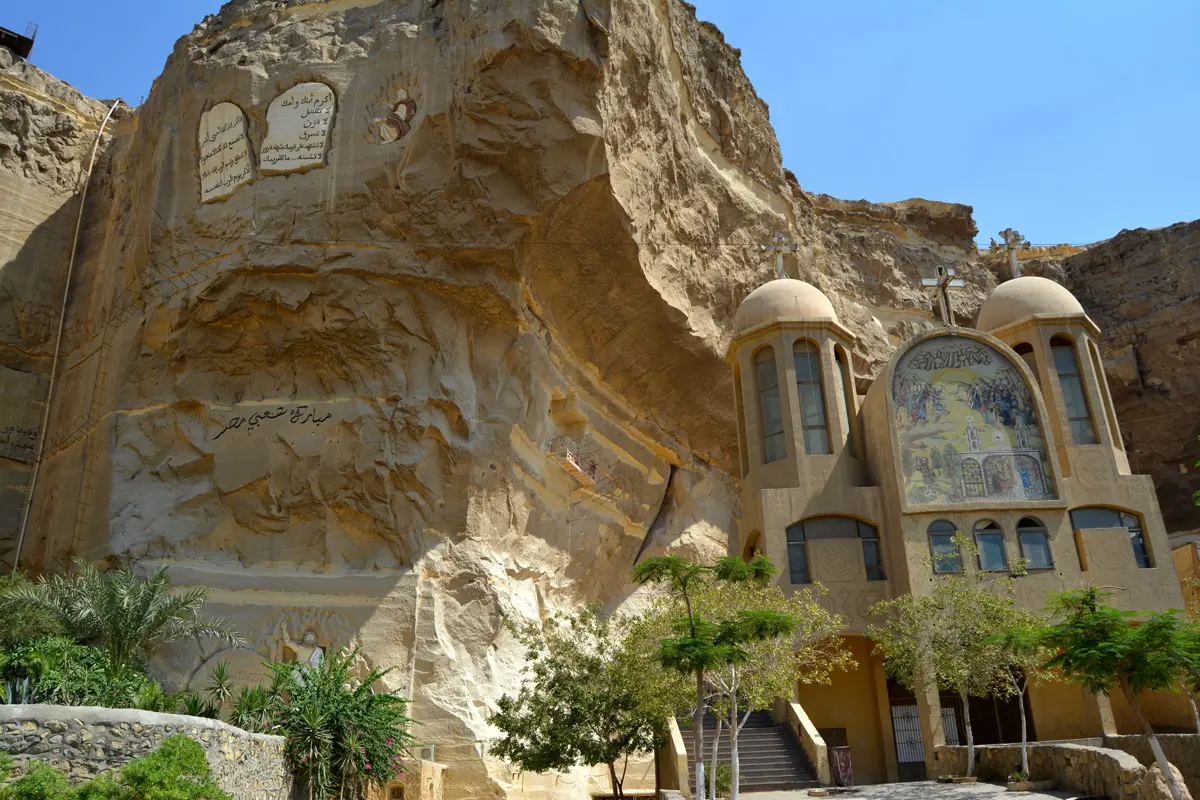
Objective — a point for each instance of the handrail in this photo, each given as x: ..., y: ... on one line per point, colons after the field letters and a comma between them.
x: 676, y: 751
x: 814, y: 746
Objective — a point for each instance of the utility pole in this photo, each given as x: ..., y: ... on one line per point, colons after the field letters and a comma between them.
x: 780, y: 244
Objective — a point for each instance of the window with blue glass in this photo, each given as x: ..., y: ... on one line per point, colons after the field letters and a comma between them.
x: 945, y: 552
x: 989, y: 538
x: 797, y: 554
x: 819, y: 528
x: 1104, y: 517
x: 1035, y: 544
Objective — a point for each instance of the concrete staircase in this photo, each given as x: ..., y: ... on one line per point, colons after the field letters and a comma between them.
x: 770, y: 757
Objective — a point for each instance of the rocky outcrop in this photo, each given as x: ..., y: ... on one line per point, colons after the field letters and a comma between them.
x: 466, y: 367
x: 1142, y: 287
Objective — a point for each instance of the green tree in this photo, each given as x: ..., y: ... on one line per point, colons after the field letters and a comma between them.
x: 343, y: 738
x: 936, y: 459
x: 1024, y: 649
x: 700, y: 644
x: 582, y: 703
x: 906, y: 462
x: 947, y: 637
x: 1101, y: 648
x: 807, y: 651
x: 127, y: 615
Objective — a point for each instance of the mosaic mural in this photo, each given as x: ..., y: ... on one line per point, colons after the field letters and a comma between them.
x: 968, y: 426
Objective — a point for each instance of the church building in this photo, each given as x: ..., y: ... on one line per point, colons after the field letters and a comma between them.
x: 1004, y: 433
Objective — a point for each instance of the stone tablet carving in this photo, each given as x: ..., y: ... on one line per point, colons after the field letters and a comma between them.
x: 225, y: 162
x: 298, y: 123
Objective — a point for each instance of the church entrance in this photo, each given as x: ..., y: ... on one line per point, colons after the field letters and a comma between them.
x: 993, y: 721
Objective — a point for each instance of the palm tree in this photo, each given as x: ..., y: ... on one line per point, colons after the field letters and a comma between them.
x: 126, y: 615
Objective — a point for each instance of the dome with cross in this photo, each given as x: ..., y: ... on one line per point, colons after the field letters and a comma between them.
x: 785, y: 298
x: 1025, y: 297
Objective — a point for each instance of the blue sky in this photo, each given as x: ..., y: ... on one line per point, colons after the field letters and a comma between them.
x: 1065, y: 119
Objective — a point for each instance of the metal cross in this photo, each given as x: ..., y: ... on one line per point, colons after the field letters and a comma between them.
x: 942, y: 284
x: 1013, y: 241
x: 780, y: 244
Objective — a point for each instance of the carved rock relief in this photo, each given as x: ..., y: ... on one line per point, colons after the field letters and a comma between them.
x: 224, y: 153
x: 298, y: 123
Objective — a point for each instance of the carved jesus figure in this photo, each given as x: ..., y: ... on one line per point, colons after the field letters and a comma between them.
x: 398, y: 123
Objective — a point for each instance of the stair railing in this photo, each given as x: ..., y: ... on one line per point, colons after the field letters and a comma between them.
x: 809, y: 738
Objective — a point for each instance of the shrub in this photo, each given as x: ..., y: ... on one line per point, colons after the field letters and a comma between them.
x: 58, y: 670
x: 253, y: 710
x: 41, y: 782
x: 23, y: 621
x: 342, y: 738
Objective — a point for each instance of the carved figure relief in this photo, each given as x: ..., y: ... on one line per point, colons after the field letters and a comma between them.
x: 298, y: 123
x: 967, y: 424
x: 297, y: 634
x: 392, y: 113
x: 224, y: 152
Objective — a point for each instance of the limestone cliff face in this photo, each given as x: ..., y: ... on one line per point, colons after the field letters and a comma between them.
x: 468, y: 369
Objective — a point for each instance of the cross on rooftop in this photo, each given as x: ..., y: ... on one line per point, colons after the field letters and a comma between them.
x: 1013, y: 241
x: 780, y: 244
x: 942, y: 284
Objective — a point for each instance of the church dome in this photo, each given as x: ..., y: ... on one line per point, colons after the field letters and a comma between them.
x: 785, y: 298
x: 1023, y: 297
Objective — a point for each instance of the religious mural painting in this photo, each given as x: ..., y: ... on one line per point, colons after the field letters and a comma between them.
x: 391, y: 112
x: 968, y: 427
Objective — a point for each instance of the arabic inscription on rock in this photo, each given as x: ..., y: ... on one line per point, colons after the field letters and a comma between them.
x: 225, y: 162
x: 298, y: 123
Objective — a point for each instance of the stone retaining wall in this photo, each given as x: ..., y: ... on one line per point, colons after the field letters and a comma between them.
x: 1074, y: 767
x: 85, y: 741
x: 1181, y: 749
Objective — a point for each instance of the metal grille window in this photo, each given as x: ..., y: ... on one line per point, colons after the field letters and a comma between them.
x: 1035, y: 544
x: 770, y: 411
x: 807, y: 360
x: 946, y: 555
x: 1079, y: 414
x: 1102, y: 517
x: 797, y: 554
x: 989, y: 538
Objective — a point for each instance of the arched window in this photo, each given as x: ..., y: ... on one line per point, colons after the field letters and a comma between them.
x: 817, y: 528
x: 807, y: 359
x: 770, y: 413
x: 740, y: 410
x: 973, y: 485
x: 946, y: 555
x: 1098, y: 367
x: 1035, y: 544
x: 797, y: 554
x: 1079, y: 414
x: 989, y: 538
x: 844, y: 385
x: 1025, y: 351
x: 1103, y: 517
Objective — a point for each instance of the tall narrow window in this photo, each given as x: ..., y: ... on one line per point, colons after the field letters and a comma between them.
x: 872, y: 556
x: 1035, y: 544
x: 1079, y: 415
x: 797, y: 554
x: 770, y: 412
x: 843, y: 385
x: 1102, y: 517
x: 1110, y: 412
x: 807, y: 359
x: 989, y: 538
x: 945, y: 552
x: 739, y: 409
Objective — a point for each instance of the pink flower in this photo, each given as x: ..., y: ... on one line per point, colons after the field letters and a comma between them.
x: 389, y: 741
x: 368, y: 766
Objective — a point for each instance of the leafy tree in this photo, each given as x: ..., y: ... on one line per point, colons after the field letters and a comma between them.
x: 343, y: 738
x: 947, y: 637
x: 1023, y: 647
x: 1101, y: 648
x: 1190, y: 679
x: 699, y: 644
x: 583, y: 702
x: 127, y: 615
x: 808, y: 651
x: 937, y: 460
x: 906, y: 462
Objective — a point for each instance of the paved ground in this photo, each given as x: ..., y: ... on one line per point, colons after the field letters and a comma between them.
x: 922, y: 790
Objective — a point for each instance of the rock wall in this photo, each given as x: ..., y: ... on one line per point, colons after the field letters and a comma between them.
x: 47, y: 130
x: 464, y: 362
x: 1181, y: 749
x: 84, y: 742
x: 1074, y: 767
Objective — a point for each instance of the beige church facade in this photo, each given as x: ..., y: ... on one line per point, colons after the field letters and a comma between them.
x: 1004, y: 433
